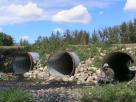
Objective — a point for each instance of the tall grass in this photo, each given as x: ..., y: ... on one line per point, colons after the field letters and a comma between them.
x: 15, y: 95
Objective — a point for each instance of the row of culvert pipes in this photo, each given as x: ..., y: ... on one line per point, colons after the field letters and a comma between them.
x: 65, y: 63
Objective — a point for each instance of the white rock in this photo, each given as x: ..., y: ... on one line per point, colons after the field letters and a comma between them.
x: 65, y: 78
x: 71, y: 78
x: 98, y: 72
x: 27, y: 74
x: 41, y: 68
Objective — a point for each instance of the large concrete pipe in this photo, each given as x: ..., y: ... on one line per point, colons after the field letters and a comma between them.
x: 63, y: 63
x: 23, y: 62
x: 120, y: 63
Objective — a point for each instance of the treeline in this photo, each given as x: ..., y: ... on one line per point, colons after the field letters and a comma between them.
x: 59, y: 40
x: 124, y: 33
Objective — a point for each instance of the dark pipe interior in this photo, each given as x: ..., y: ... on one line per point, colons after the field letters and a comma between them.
x: 61, y: 63
x: 21, y: 63
x: 119, y: 62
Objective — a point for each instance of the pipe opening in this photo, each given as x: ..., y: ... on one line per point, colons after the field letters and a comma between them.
x: 61, y: 64
x: 120, y: 63
x: 22, y: 63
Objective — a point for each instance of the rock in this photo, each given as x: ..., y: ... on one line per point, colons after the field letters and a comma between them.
x: 40, y: 68
x: 98, y: 72
x: 65, y: 78
x: 89, y: 79
x: 27, y: 74
x: 42, y: 75
x: 55, y: 78
x: 102, y: 54
x: 51, y: 78
x: 72, y: 78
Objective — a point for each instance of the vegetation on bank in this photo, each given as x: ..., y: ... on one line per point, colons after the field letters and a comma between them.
x: 15, y: 95
x: 109, y: 93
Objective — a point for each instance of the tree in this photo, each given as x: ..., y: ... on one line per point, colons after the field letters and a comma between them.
x: 94, y: 39
x: 24, y: 42
x: 132, y: 32
x: 124, y: 32
x: 5, y: 40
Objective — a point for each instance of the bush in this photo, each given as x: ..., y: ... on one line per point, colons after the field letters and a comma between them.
x: 14, y: 95
x: 109, y: 93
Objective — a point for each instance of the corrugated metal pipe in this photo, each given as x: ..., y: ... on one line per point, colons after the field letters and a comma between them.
x: 23, y: 62
x: 63, y: 63
x: 120, y: 63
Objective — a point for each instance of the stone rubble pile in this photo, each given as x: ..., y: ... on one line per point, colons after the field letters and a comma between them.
x: 84, y: 73
x: 38, y: 72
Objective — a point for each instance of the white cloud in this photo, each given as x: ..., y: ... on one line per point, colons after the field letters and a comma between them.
x: 24, y: 38
x: 57, y: 30
x: 16, y: 13
x: 78, y: 14
x: 130, y: 5
x: 28, y: 10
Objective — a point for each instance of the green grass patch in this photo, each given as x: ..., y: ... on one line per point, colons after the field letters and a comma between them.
x: 109, y: 93
x: 15, y: 95
x: 97, y: 62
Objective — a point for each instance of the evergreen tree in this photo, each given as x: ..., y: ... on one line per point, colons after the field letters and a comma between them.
x: 5, y: 40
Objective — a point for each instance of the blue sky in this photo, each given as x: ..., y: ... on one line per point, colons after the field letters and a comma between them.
x: 28, y: 19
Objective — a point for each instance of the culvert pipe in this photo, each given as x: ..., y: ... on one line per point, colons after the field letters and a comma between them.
x: 24, y: 62
x: 63, y: 63
x: 120, y: 63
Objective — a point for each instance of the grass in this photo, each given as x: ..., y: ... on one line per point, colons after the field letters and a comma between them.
x: 86, y: 52
x: 97, y: 62
x: 109, y: 93
x: 15, y: 95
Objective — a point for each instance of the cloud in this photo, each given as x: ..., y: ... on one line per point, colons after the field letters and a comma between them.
x: 57, y: 30
x: 24, y: 38
x: 78, y: 14
x: 130, y: 5
x: 16, y: 13
x: 19, y: 11
x: 28, y: 10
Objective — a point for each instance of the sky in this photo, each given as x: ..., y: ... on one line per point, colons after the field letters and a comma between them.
x: 28, y: 19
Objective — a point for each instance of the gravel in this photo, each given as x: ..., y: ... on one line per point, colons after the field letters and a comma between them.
x: 56, y: 95
x: 48, y: 92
